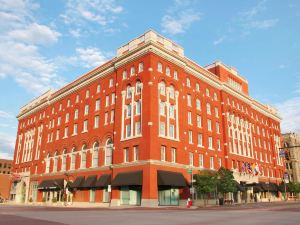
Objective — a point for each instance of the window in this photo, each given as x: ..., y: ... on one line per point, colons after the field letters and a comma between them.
x: 126, y: 155
x: 175, y: 75
x: 47, y: 164
x: 87, y: 94
x: 108, y: 152
x: 191, y: 159
x: 96, y: 122
x: 207, y: 92
x: 208, y: 110
x: 83, y: 157
x: 209, y: 128
x: 106, y: 118
x: 64, y: 160
x: 68, y: 103
x: 171, y: 131
x: 138, y: 108
x: 113, y: 98
x: 138, y: 87
x: 172, y: 110
x: 168, y: 73
x: 66, y: 132
x: 198, y: 104
x: 189, y: 100
x: 67, y: 117
x: 162, y: 128
x: 112, y: 116
x: 199, y: 121
x: 55, y: 162
x: 163, y: 153
x: 162, y: 108
x: 219, y: 162
x: 141, y: 67
x: 111, y: 82
x: 200, y: 141
x: 60, y: 108
x: 216, y: 112
x: 171, y: 91
x: 106, y: 100
x: 73, y: 159
x: 85, y: 126
x: 98, y: 88
x: 159, y: 67
x: 128, y: 130
x: 201, y: 160
x: 97, y: 106
x: 197, y: 87
x: 162, y: 88
x: 217, y: 127
x: 129, y: 110
x: 219, y: 144
x: 76, y: 114
x: 188, y: 82
x: 92, y: 195
x: 86, y: 110
x: 138, y: 128
x: 124, y: 75
x: 190, y: 118
x: 190, y: 137
x: 75, y: 129
x: 57, y: 134
x: 95, y: 154
x: 129, y: 92
x: 215, y: 97
x: 77, y: 99
x: 210, y: 143
x: 173, y: 155
x: 132, y: 70
x: 58, y: 121
x: 135, y: 153
x: 211, y: 163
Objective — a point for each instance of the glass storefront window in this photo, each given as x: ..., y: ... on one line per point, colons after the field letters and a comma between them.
x: 169, y: 196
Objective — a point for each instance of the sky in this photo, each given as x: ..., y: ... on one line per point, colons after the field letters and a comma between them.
x: 47, y: 44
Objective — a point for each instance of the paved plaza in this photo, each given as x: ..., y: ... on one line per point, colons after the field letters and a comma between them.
x: 258, y: 214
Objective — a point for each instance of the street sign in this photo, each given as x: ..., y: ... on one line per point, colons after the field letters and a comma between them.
x: 109, y: 188
x: 192, y: 190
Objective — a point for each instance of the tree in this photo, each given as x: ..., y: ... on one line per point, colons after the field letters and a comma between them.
x: 226, y: 182
x: 294, y: 187
x: 205, y: 183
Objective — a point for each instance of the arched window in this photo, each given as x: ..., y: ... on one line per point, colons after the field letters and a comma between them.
x: 124, y: 75
x: 132, y: 71
x: 95, y: 154
x: 168, y: 73
x: 159, y: 67
x: 108, y: 152
x: 47, y: 163
x: 138, y: 87
x: 172, y: 92
x: 128, y: 91
x: 64, y: 160
x: 197, y: 87
x: 188, y: 82
x: 55, y: 162
x: 162, y: 88
x: 141, y: 67
x: 98, y: 88
x: 207, y: 92
x: 83, y: 157
x: 73, y: 158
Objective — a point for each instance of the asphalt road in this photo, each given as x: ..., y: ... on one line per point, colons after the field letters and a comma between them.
x: 255, y: 214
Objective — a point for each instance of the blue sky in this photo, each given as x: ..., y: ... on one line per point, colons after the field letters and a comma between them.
x: 46, y: 44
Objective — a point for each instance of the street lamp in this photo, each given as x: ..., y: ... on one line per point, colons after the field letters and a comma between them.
x: 217, y: 196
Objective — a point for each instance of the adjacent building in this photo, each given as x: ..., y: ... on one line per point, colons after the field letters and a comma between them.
x: 292, y: 160
x: 5, y: 168
x: 130, y: 131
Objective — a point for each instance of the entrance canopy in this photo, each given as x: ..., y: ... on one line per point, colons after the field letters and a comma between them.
x: 90, y: 182
x: 167, y: 178
x: 103, y: 181
x: 134, y: 178
x: 51, y: 184
x: 79, y: 181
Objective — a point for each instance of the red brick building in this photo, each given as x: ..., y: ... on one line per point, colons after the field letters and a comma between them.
x: 126, y: 132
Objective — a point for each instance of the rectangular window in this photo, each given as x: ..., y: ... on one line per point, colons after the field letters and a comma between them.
x: 200, y: 141
x: 106, y: 118
x: 141, y: 67
x: 85, y: 126
x: 162, y: 129
x: 173, y: 155
x: 201, y: 160
x: 106, y: 100
x: 135, y: 153
x: 217, y: 112
x: 113, y: 98
x: 217, y: 127
x: 209, y: 128
x: 129, y: 110
x: 128, y: 130
x: 83, y: 160
x: 86, y: 110
x: 219, y: 144
x: 219, y: 162
x: 138, y: 128
x: 211, y: 163
x: 138, y: 108
x: 210, y: 143
x: 162, y: 108
x: 58, y: 121
x: 76, y: 114
x: 96, y: 122
x: 92, y: 195
x: 163, y: 153
x: 97, y: 106
x: 199, y: 121
x: 191, y: 159
x: 66, y: 132
x: 98, y: 88
x: 57, y: 134
x: 67, y: 117
x: 126, y: 155
x: 75, y: 129
x: 111, y: 82
x: 190, y: 118
x: 171, y: 131
x: 172, y: 110
x: 190, y: 137
x: 189, y: 100
x: 112, y: 116
x: 68, y: 103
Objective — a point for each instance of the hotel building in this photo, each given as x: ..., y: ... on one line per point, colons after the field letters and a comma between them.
x: 127, y: 132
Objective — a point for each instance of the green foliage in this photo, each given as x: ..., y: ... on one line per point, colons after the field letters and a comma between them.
x: 225, y: 180
x: 205, y: 183
x: 293, y: 187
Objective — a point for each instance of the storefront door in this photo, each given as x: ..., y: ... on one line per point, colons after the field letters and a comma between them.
x: 169, y: 196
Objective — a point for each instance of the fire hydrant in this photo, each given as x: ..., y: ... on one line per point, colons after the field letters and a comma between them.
x: 189, y: 203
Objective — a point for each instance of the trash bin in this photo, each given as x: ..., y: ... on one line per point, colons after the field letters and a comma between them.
x: 221, y: 201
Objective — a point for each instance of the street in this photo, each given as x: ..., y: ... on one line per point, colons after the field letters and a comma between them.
x: 259, y: 214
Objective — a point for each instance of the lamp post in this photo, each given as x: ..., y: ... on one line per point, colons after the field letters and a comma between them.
x: 217, y: 196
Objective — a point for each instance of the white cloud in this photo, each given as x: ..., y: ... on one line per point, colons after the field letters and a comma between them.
x: 219, y: 40
x: 102, y: 12
x: 290, y: 113
x: 5, y: 115
x: 263, y: 24
x: 185, y: 17
x: 75, y: 33
x: 91, y: 57
x: 20, y: 38
x: 7, y: 144
x: 35, y: 34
